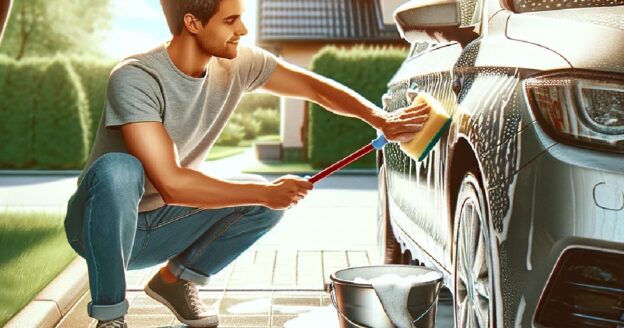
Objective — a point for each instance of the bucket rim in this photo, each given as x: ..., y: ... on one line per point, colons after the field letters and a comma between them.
x: 335, y: 280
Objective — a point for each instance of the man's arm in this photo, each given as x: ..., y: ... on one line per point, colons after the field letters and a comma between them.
x: 5, y: 9
x: 152, y: 145
x: 292, y: 81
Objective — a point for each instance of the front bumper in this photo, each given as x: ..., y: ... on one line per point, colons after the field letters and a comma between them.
x: 564, y: 197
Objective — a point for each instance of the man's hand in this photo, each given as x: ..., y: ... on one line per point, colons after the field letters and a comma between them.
x: 286, y: 191
x: 401, y: 125
x: 291, y: 81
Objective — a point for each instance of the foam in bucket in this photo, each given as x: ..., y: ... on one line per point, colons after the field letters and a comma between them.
x: 385, y: 296
x: 393, y: 291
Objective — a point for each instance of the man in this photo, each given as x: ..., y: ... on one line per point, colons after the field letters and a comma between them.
x: 141, y: 200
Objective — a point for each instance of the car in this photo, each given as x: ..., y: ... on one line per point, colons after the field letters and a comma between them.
x: 521, y: 202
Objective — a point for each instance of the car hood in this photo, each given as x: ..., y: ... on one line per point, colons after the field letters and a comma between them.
x: 588, y: 38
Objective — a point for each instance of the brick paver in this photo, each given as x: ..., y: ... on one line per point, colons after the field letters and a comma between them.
x: 281, y: 281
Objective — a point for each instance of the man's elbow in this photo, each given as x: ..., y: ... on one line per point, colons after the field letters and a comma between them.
x: 171, y: 188
x: 169, y: 195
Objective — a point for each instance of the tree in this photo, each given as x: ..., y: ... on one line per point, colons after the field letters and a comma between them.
x: 44, y: 27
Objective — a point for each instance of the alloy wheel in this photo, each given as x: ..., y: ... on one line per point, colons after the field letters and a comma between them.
x: 473, y: 293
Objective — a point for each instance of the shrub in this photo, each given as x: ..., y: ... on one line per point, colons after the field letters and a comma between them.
x: 249, y: 125
x: 93, y: 73
x: 231, y: 135
x: 252, y: 101
x: 367, y: 71
x: 19, y: 84
x: 62, y: 120
x: 269, y: 120
x: 43, y: 115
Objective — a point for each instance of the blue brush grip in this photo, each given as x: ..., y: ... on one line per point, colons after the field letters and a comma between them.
x: 379, y: 142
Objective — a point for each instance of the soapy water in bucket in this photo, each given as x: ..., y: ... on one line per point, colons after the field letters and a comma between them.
x: 392, y: 277
x: 405, y: 296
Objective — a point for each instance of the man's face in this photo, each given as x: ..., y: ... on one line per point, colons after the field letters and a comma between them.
x: 220, y: 36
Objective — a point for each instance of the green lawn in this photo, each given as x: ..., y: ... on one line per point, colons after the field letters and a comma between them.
x: 270, y: 137
x: 34, y: 251
x: 220, y: 152
x: 280, y: 167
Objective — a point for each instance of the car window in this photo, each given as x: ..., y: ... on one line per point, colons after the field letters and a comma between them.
x: 543, y: 5
x: 470, y: 11
x: 418, y: 48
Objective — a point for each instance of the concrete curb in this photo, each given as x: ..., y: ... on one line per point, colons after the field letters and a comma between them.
x: 55, y: 300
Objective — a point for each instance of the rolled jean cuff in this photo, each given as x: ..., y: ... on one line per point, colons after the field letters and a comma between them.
x: 184, y: 273
x: 108, y: 312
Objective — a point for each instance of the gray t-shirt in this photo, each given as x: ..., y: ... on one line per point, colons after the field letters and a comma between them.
x: 150, y: 88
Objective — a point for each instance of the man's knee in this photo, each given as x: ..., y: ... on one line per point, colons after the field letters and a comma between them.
x: 271, y: 217
x: 118, y: 172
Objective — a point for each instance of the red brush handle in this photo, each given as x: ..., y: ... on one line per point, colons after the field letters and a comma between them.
x: 342, y: 163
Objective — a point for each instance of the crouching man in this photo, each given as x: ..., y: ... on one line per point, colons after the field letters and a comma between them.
x: 141, y: 199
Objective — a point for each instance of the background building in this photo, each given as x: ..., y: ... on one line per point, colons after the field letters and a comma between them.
x: 297, y: 29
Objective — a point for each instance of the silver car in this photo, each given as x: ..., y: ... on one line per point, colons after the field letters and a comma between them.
x: 521, y: 203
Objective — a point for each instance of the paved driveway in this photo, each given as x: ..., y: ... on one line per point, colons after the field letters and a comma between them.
x: 281, y: 280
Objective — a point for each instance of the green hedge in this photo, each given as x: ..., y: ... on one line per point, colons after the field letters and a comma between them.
x: 44, y: 119
x: 269, y: 120
x: 365, y: 70
x: 62, y: 119
x: 231, y: 135
x: 252, y: 101
x: 93, y: 73
x: 17, y: 89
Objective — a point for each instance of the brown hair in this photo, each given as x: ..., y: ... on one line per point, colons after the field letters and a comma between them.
x: 176, y: 9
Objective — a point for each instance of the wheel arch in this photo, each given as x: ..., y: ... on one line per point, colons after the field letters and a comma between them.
x: 463, y: 159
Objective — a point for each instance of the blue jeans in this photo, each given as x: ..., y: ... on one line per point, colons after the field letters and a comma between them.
x: 103, y: 226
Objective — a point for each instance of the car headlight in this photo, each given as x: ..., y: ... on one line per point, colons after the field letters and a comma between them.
x: 581, y: 109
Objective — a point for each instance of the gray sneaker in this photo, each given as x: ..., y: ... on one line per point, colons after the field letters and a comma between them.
x: 182, y: 299
x: 115, y: 323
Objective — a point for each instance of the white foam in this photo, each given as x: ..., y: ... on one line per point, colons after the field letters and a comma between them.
x: 325, y: 317
x: 390, y: 277
x: 393, y: 291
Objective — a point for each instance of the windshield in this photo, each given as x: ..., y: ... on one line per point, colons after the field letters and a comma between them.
x: 522, y: 6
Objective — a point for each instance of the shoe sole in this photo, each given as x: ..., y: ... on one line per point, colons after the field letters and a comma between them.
x: 204, y: 323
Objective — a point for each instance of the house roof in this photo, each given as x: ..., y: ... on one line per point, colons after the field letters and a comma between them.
x: 322, y: 20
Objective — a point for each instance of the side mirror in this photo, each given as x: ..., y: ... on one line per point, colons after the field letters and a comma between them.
x: 418, y: 16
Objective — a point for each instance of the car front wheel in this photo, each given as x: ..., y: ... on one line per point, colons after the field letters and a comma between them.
x: 474, y: 299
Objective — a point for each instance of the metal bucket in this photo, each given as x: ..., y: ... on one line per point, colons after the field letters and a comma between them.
x: 358, y: 306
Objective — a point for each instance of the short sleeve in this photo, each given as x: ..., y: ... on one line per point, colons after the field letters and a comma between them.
x: 133, y: 95
x: 256, y: 67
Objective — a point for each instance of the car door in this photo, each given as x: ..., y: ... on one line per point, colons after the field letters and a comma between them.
x: 417, y: 201
x: 419, y: 191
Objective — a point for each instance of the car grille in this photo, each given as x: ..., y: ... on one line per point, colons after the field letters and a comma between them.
x: 586, y: 289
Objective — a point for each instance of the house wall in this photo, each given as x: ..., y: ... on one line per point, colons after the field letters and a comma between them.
x: 387, y: 10
x: 293, y: 111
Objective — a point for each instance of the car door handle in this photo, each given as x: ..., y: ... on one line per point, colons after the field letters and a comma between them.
x: 457, y: 86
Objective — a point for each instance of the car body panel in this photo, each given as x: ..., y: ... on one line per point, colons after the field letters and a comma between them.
x: 569, y: 33
x: 542, y: 196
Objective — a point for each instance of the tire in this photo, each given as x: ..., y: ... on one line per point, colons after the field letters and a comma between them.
x: 474, y: 299
x: 389, y: 247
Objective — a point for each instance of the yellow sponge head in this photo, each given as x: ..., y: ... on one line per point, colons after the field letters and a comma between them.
x: 437, y: 124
